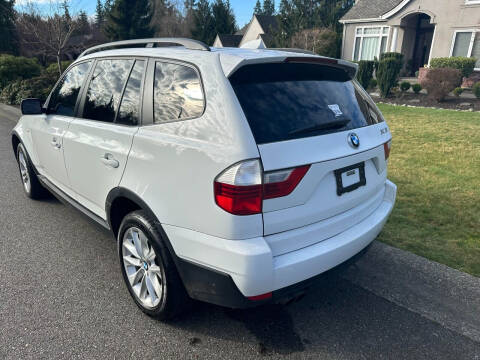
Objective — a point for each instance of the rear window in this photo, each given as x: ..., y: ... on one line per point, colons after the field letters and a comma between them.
x: 288, y: 101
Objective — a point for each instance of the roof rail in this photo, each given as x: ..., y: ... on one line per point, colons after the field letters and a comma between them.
x: 149, y: 43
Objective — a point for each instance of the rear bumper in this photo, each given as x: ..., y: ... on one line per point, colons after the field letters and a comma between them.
x: 252, y: 267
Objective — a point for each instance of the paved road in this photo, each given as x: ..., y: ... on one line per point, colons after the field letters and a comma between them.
x: 62, y: 296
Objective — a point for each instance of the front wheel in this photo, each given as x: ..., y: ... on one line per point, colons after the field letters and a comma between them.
x: 148, y: 268
x: 31, y: 184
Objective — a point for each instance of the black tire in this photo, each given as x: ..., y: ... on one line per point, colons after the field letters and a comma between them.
x: 34, y: 190
x: 174, y: 299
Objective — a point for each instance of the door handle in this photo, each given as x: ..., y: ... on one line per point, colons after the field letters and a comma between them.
x: 55, y: 144
x: 109, y: 160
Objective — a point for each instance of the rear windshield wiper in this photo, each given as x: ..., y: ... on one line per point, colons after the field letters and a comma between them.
x: 332, y: 125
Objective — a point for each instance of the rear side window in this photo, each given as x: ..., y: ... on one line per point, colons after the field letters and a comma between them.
x: 290, y: 101
x: 64, y: 97
x: 177, y: 93
x: 105, y: 89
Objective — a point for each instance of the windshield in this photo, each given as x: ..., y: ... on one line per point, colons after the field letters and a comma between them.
x: 284, y: 101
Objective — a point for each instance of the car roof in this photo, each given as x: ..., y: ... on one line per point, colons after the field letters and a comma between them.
x: 230, y: 58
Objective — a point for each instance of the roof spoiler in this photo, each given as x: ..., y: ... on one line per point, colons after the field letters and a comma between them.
x: 349, y: 67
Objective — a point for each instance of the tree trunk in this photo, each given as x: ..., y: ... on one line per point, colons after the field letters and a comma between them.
x: 59, y: 63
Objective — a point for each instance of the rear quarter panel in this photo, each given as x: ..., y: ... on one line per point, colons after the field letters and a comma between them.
x: 172, y: 166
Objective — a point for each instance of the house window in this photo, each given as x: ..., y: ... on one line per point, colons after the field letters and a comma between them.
x: 370, y: 42
x: 467, y: 43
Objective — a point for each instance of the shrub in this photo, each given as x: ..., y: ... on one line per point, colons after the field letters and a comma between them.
x: 417, y: 88
x: 387, y: 74
x: 52, y: 69
x: 464, y: 64
x: 365, y: 72
x: 440, y: 82
x: 476, y: 90
x: 373, y: 84
x: 9, y: 93
x: 405, y: 86
x: 17, y: 67
x: 394, y: 55
x: 37, y: 87
x: 458, y: 91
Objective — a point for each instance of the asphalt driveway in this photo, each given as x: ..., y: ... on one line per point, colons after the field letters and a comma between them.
x: 62, y: 296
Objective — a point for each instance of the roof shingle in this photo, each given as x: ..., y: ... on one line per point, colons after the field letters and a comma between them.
x: 230, y: 40
x: 370, y: 9
x: 268, y: 23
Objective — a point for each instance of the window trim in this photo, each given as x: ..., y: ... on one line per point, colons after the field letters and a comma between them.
x: 472, y: 2
x: 80, y: 110
x: 362, y: 36
x: 151, y: 88
x: 472, y: 40
x: 80, y: 93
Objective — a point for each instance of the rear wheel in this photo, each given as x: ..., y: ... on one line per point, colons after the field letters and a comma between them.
x: 148, y: 268
x: 31, y: 185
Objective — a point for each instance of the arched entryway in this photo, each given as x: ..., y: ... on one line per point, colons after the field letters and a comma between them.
x: 417, y: 41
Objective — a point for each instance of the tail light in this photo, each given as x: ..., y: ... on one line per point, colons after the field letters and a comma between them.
x: 241, y: 189
x: 238, y: 189
x: 282, y: 183
x: 387, y: 147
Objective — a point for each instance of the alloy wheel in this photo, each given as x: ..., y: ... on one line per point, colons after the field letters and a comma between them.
x: 144, y: 274
x: 22, y: 162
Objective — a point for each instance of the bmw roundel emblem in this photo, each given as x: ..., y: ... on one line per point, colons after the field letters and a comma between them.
x: 354, y: 140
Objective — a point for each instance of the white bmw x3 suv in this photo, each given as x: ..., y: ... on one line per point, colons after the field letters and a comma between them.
x: 231, y: 176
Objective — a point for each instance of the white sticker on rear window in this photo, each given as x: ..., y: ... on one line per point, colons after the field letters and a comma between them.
x: 336, y: 109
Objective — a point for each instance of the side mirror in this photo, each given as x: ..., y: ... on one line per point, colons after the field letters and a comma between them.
x: 31, y: 107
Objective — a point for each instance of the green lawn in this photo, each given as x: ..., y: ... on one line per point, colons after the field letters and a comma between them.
x: 435, y: 162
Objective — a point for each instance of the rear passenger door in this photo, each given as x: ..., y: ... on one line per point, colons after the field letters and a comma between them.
x: 98, y: 142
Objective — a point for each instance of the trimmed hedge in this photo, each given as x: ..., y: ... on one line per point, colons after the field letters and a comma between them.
x: 389, y: 68
x: 417, y: 88
x: 476, y: 90
x: 16, y: 68
x: 365, y: 72
x: 52, y: 69
x: 458, y: 91
x: 405, y: 86
x: 37, y: 87
x: 17, y: 88
x: 394, y: 55
x: 464, y: 64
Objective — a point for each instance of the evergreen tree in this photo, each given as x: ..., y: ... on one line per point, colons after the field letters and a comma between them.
x: 83, y: 26
x: 285, y: 20
x: 99, y: 14
x: 188, y: 17
x: 258, y: 8
x: 107, y: 8
x: 203, y: 24
x: 223, y: 17
x: 129, y: 19
x: 8, y: 39
x: 268, y: 7
x: 66, y: 10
